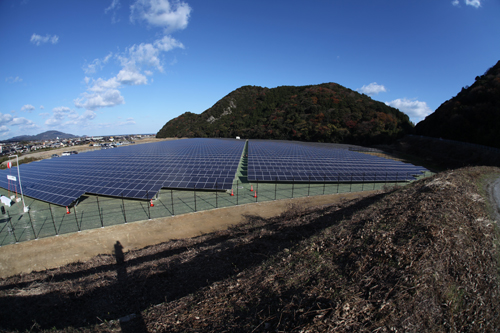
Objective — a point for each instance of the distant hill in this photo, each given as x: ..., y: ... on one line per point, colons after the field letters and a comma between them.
x: 471, y: 116
x: 327, y: 112
x: 49, y: 135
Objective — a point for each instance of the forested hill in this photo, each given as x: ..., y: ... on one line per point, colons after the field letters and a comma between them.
x: 471, y: 116
x: 327, y: 112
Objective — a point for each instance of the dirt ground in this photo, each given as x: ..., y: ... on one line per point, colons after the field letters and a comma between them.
x: 53, y: 252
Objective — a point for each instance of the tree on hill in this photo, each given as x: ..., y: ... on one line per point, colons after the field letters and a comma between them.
x: 324, y: 113
x: 473, y: 115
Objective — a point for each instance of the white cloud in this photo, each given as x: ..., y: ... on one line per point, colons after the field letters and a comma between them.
x: 8, y: 120
x: 162, y: 13
x: 5, y: 118
x: 138, y: 60
x: 105, y: 93
x: 372, y: 89
x: 63, y: 116
x: 131, y: 78
x: 416, y: 110
x: 37, y: 39
x: 28, y: 107
x: 129, y: 121
x: 44, y: 114
x: 96, y: 64
x: 99, y: 99
x: 11, y: 79
x: 4, y: 130
x: 455, y: 3
x: 115, y: 5
x: 21, y: 121
x: 473, y: 3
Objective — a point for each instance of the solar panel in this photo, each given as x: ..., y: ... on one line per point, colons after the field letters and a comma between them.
x: 137, y: 172
x: 140, y: 171
x: 302, y: 162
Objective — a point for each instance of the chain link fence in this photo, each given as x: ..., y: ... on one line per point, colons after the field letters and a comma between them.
x: 92, y: 211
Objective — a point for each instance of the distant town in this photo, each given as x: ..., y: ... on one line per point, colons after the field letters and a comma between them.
x: 25, y: 147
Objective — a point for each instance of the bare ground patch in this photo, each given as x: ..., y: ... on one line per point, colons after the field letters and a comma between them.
x: 413, y: 259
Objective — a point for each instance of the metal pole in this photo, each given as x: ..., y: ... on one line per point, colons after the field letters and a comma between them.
x: 275, y: 186
x: 147, y: 198
x: 172, y: 197
x: 20, y: 185
x: 32, y: 227
x: 256, y: 190
x: 76, y: 219
x: 124, y: 214
x: 54, y: 222
x: 99, y: 209
x: 324, y: 183
x: 309, y: 186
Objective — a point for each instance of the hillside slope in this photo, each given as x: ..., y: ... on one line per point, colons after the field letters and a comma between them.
x: 422, y: 258
x: 473, y: 115
x: 325, y: 113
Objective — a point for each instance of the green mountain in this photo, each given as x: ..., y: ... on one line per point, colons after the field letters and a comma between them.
x: 471, y: 116
x: 327, y: 112
x: 48, y: 135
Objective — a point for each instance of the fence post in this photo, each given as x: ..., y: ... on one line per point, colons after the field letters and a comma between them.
x: 172, y: 197
x: 99, y: 209
x: 147, y: 203
x: 256, y: 191
x: 324, y: 184
x: 53, y: 222
x: 12, y: 227
x: 309, y: 186
x: 76, y: 219
x: 32, y: 227
x: 275, y: 186
x: 124, y: 214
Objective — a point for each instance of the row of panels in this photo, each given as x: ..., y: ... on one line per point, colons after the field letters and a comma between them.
x: 140, y: 171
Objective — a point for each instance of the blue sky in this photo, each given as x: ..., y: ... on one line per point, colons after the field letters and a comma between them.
x: 104, y: 67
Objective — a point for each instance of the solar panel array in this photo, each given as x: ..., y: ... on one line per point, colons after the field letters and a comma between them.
x: 138, y: 171
x: 301, y: 162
